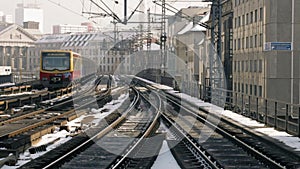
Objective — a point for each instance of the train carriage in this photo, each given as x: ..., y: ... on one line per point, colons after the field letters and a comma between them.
x: 59, y: 68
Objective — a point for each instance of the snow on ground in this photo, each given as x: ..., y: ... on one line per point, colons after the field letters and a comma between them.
x: 7, y: 84
x: 165, y: 158
x: 289, y: 140
x: 16, y: 94
x: 284, y: 137
x: 60, y: 137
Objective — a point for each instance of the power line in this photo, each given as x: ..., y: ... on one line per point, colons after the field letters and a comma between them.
x: 68, y: 9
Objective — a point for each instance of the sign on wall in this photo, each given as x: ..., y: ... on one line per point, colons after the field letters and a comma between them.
x: 269, y: 46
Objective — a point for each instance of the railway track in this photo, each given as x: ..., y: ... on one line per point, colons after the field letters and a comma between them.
x: 225, y: 143
x: 114, y: 145
x: 265, y: 149
x: 19, y: 132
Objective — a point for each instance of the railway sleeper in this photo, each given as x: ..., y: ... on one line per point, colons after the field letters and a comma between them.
x: 185, y: 158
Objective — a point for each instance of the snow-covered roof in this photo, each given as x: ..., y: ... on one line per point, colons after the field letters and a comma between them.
x: 153, y: 46
x: 205, y: 18
x: 198, y: 28
x: 190, y: 27
x: 79, y: 40
x: 187, y: 28
x: 53, y: 38
x: 195, y: 27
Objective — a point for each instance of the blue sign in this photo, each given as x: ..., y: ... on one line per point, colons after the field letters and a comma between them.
x: 281, y: 46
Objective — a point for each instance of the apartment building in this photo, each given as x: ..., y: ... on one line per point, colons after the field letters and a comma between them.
x: 265, y: 47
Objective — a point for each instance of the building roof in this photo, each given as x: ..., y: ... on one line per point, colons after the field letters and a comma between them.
x: 79, y: 40
x: 191, y: 27
x: 53, y: 38
x: 6, y: 27
x: 194, y: 11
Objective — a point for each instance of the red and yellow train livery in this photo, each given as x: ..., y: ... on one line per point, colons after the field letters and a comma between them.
x: 59, y: 68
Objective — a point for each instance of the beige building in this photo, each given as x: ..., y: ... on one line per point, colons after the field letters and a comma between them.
x: 185, y: 34
x: 266, y: 49
x: 15, y: 48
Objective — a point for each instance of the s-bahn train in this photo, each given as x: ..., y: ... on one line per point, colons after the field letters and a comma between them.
x: 59, y: 68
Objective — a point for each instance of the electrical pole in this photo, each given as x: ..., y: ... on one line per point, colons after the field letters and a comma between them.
x: 215, y: 56
x: 125, y: 12
x: 163, y: 38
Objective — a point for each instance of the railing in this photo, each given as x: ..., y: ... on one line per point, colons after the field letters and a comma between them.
x: 280, y: 115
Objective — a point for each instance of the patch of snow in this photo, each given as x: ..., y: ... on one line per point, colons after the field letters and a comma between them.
x: 165, y: 158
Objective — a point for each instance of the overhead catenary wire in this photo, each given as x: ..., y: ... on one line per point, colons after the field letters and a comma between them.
x: 113, y: 15
x: 135, y: 9
x: 72, y: 11
x: 68, y: 9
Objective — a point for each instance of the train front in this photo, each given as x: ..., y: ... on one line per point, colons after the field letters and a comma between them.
x: 56, y: 69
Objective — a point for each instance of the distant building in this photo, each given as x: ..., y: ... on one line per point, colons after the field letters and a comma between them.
x: 91, y: 26
x: 31, y: 25
x: 15, y: 45
x: 66, y: 28
x: 7, y: 18
x: 184, y: 37
x: 29, y: 12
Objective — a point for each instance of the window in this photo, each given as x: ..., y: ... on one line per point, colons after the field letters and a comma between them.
x: 239, y: 44
x: 260, y: 65
x: 234, y: 44
x: 250, y: 89
x: 255, y: 90
x: 239, y: 21
x: 260, y: 39
x: 243, y: 19
x: 242, y: 87
x: 234, y: 86
x: 246, y: 86
x: 247, y: 42
x: 260, y: 91
x: 242, y: 66
x: 261, y: 14
x: 247, y: 18
x: 243, y: 43
x: 255, y: 41
x: 235, y: 22
x: 251, y: 17
x: 235, y: 66
x: 251, y: 41
x: 255, y: 16
x: 250, y: 68
x: 255, y: 66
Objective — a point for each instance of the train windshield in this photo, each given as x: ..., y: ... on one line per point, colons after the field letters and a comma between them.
x: 55, y: 61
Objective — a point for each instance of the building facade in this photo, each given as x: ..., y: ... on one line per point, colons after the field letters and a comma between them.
x: 16, y: 45
x: 67, y: 28
x: 185, y: 34
x: 266, y: 46
x: 29, y: 12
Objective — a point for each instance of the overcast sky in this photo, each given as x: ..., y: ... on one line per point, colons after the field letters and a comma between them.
x: 70, y: 11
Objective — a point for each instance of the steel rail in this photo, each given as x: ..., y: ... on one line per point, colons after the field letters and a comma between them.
x: 97, y: 136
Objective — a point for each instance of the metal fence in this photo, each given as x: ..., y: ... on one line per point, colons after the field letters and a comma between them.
x: 280, y: 115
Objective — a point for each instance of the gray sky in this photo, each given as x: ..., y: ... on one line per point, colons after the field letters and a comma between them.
x: 58, y: 14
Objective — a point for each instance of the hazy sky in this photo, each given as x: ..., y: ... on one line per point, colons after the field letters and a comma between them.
x: 70, y: 11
